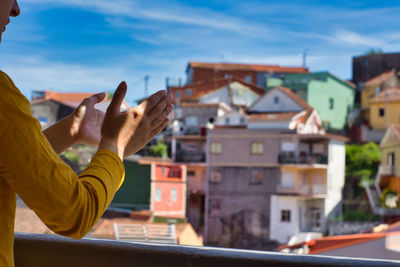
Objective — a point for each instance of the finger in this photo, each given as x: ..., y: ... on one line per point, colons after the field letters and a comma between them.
x: 159, y: 119
x: 159, y: 128
x: 117, y: 99
x: 153, y: 100
x: 97, y: 98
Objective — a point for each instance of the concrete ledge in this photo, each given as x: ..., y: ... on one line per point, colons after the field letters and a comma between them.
x: 49, y: 251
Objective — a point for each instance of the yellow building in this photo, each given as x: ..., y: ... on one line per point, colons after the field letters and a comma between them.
x: 389, y: 169
x: 374, y: 86
x: 385, y: 109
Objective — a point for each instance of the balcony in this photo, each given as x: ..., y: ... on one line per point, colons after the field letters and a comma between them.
x: 313, y: 189
x: 387, y: 170
x: 50, y: 250
x: 190, y: 156
x: 302, y: 158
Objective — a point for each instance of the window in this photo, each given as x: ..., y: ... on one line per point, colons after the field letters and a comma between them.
x: 215, y: 205
x: 242, y: 121
x: 158, y: 194
x: 377, y: 90
x: 315, y: 217
x: 191, y: 173
x: 216, y: 177
x: 178, y: 94
x: 188, y: 92
x: 285, y: 215
x: 191, y: 121
x: 163, y: 170
x: 173, y: 195
x: 256, y: 177
x: 227, y: 120
x: 248, y: 79
x: 276, y: 100
x: 216, y: 148
x: 257, y: 148
x: 331, y: 103
x: 381, y: 112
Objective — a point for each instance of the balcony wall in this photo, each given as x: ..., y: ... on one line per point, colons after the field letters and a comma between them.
x: 49, y: 251
x: 292, y: 158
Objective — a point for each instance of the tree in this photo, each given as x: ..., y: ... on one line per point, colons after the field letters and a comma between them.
x: 373, y: 51
x: 363, y: 160
x: 159, y: 150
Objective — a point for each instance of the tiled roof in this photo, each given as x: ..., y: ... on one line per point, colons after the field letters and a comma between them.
x: 294, y: 97
x: 207, y: 86
x: 391, y: 94
x: 247, y: 67
x: 272, y: 116
x: 396, y: 130
x: 328, y: 243
x: 380, y: 78
x: 26, y: 221
x: 74, y: 99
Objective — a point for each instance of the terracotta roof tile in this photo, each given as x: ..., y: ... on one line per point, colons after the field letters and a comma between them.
x: 294, y: 97
x: 207, y: 86
x: 380, y: 78
x: 391, y: 94
x: 247, y: 67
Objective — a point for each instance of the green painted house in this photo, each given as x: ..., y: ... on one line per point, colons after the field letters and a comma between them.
x: 332, y: 97
x: 135, y: 191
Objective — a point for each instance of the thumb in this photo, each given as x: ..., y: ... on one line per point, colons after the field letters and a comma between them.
x: 117, y: 99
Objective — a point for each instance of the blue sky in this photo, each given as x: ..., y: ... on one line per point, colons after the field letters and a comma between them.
x: 91, y: 45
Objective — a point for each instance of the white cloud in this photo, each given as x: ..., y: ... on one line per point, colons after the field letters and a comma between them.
x: 353, y: 38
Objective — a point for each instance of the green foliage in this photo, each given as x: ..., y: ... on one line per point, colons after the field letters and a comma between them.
x: 159, y: 150
x: 71, y: 156
x: 373, y: 51
x: 388, y: 193
x: 358, y: 215
x: 363, y: 160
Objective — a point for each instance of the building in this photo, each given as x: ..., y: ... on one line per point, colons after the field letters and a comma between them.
x: 384, y: 194
x: 374, y: 86
x: 367, y: 67
x: 154, y: 185
x: 250, y: 73
x: 229, y: 90
x: 49, y: 106
x: 331, y: 96
x: 273, y: 178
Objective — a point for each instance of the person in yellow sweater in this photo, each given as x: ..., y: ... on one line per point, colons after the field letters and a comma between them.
x: 30, y: 166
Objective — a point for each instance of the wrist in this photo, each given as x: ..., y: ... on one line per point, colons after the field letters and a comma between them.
x: 112, y: 146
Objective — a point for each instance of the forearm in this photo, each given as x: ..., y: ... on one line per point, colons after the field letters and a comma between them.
x: 60, y: 136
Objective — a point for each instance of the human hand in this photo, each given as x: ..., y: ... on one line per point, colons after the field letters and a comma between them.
x: 87, y: 121
x: 127, y: 132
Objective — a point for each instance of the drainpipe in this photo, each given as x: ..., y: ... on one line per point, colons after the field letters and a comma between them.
x: 207, y: 198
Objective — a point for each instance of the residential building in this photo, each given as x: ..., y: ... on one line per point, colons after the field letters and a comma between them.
x: 374, y: 86
x: 250, y: 73
x: 155, y: 185
x: 366, y: 67
x: 231, y: 91
x: 273, y: 178
x: 385, y: 109
x: 49, y: 106
x: 331, y: 96
x: 384, y: 194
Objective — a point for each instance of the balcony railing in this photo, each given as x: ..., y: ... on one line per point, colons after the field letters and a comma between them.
x: 387, y: 170
x: 190, y: 156
x: 314, y: 189
x: 49, y: 251
x: 301, y: 158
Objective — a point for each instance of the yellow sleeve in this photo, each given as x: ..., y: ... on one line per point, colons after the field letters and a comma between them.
x: 69, y: 205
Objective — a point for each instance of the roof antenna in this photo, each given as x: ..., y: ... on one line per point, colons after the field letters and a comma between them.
x: 305, y: 57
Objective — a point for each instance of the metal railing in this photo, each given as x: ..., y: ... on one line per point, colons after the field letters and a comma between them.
x: 292, y: 158
x: 190, y: 156
x: 49, y: 251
